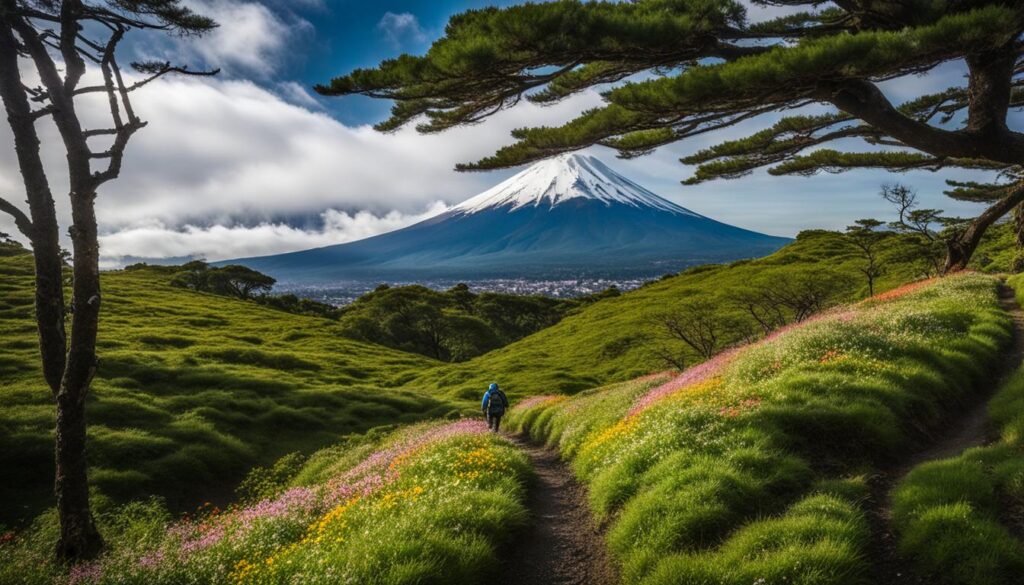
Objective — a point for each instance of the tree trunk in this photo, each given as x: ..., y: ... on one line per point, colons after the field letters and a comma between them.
x: 958, y: 254
x: 79, y: 537
x: 961, y: 247
x: 44, y: 235
x: 1018, y: 225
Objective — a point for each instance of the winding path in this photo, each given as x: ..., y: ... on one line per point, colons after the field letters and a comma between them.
x: 563, y: 545
x: 971, y: 429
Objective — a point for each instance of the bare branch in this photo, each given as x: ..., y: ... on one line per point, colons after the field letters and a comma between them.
x: 116, y: 152
x: 108, y: 78
x: 21, y: 220
x: 43, y: 112
x: 74, y: 65
x: 100, y: 132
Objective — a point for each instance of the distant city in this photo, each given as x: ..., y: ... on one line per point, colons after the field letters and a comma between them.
x: 341, y: 294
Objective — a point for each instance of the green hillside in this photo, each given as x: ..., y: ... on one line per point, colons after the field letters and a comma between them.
x: 195, y: 389
x: 453, y: 325
x: 615, y: 340
x: 757, y: 466
x: 192, y: 391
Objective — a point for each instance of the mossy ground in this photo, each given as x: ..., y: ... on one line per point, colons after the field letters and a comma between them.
x: 192, y: 391
x: 615, y: 340
x: 959, y: 520
x: 751, y: 468
x: 196, y: 389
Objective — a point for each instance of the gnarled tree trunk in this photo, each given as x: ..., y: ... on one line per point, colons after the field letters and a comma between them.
x: 79, y: 536
x: 67, y: 370
x: 961, y: 246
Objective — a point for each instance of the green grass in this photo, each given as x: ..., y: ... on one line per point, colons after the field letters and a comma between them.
x: 751, y: 466
x: 615, y: 339
x: 957, y: 518
x: 192, y: 391
x: 429, y: 504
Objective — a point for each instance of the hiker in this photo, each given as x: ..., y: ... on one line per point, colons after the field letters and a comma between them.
x: 494, y: 405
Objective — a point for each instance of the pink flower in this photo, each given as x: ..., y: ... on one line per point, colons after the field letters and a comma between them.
x: 84, y: 573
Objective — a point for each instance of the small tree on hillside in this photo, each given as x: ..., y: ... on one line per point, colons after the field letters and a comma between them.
x: 61, y: 39
x: 919, y: 226
x: 866, y: 238
x: 239, y: 281
x: 699, y: 324
x: 766, y: 310
x: 791, y: 294
x: 699, y: 65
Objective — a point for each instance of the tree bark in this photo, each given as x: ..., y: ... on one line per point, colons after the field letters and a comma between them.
x: 862, y: 99
x: 989, y: 88
x: 79, y: 536
x: 44, y: 236
x: 1018, y: 226
x: 961, y: 247
x: 68, y: 370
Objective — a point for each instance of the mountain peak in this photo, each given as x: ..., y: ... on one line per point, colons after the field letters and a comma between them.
x: 559, y: 179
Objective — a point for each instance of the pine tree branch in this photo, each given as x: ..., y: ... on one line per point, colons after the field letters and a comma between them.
x: 863, y: 99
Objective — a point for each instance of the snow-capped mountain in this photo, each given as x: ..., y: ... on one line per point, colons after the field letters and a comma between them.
x: 563, y: 178
x: 569, y: 216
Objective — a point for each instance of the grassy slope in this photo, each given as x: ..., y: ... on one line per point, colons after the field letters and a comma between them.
x: 195, y: 389
x: 752, y: 468
x: 612, y: 341
x: 192, y: 391
x: 428, y: 504
x: 749, y: 470
x: 959, y: 520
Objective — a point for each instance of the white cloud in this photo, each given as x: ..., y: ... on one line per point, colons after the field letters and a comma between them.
x: 222, y: 152
x: 220, y: 242
x: 402, y: 28
x: 225, y: 165
x: 297, y: 94
x: 250, y: 37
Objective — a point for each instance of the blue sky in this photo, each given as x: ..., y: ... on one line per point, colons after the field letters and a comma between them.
x: 252, y: 162
x: 352, y: 34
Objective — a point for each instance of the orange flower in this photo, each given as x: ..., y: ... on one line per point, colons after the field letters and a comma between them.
x: 738, y: 409
x: 831, y: 356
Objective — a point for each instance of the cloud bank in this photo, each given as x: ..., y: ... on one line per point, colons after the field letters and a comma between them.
x: 233, y: 167
x: 227, y: 167
x: 219, y: 242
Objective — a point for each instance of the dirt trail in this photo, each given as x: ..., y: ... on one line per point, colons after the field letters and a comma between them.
x: 562, y: 546
x: 970, y: 429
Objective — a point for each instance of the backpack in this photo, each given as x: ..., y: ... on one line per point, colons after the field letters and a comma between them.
x: 496, y: 403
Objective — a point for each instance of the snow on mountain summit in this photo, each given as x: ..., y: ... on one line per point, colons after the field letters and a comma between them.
x: 569, y: 176
x: 563, y: 218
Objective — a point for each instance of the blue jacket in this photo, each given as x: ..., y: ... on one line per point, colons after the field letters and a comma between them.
x: 495, y: 402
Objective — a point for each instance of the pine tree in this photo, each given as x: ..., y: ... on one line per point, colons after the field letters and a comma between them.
x: 61, y: 39
x: 694, y: 66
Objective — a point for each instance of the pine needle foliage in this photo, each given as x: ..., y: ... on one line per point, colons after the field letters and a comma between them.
x: 673, y: 69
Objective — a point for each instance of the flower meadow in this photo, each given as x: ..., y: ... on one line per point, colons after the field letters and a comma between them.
x: 956, y: 518
x: 753, y: 467
x: 430, y: 504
